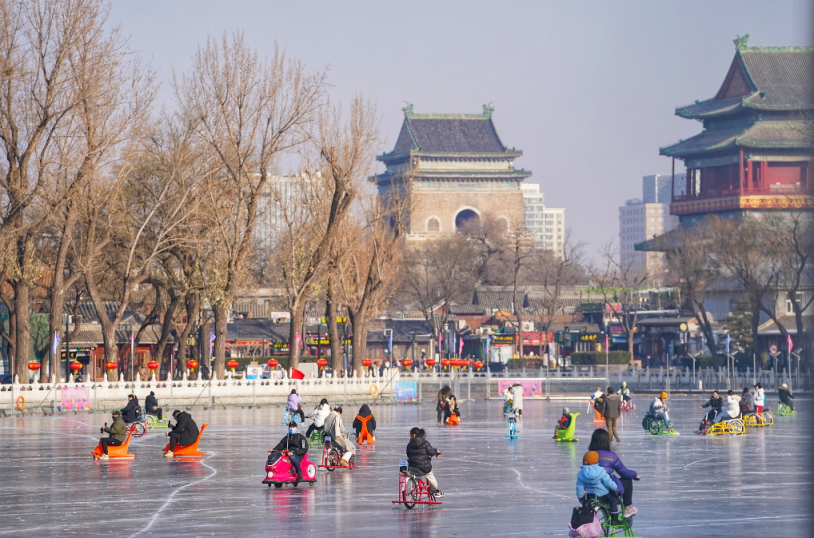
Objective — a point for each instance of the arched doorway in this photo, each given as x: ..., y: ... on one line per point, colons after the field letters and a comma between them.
x: 466, y: 219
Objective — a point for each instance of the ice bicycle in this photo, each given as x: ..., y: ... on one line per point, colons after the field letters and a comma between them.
x: 414, y: 488
x: 657, y: 426
x: 624, y: 527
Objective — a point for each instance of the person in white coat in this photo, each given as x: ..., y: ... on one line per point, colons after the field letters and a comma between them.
x: 758, y: 399
x: 517, y: 399
x: 319, y: 414
x: 339, y: 437
x: 731, y: 408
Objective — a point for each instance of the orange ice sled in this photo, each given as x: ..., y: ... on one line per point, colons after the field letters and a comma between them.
x: 189, y: 450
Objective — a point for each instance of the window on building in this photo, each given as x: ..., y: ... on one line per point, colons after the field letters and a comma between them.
x: 789, y: 307
x: 433, y: 225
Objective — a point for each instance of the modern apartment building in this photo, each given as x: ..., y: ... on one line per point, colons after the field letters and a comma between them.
x: 545, y: 224
x: 643, y: 218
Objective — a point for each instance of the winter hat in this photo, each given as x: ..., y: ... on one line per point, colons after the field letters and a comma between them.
x: 663, y: 395
x: 745, y: 390
x: 565, y: 411
x: 590, y: 458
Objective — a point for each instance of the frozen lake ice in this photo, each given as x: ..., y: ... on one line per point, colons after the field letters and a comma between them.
x: 753, y: 485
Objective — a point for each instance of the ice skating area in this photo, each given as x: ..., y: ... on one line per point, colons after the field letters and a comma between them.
x: 751, y: 485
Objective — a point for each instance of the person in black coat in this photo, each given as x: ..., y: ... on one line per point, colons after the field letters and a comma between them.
x: 419, y: 456
x: 786, y: 396
x: 294, y: 445
x: 364, y: 411
x: 129, y: 414
x: 184, y: 433
x: 151, y: 406
x: 715, y: 403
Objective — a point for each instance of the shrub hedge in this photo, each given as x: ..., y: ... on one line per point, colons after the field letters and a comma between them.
x: 584, y: 358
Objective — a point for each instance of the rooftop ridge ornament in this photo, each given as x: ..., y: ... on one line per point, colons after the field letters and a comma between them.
x: 408, y: 110
x: 740, y: 42
x: 487, y: 110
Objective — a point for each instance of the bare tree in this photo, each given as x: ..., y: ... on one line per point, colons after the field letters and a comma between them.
x: 620, y: 284
x: 437, y: 274
x: 792, y: 240
x: 247, y: 110
x: 340, y: 157
x: 132, y: 219
x: 693, y: 267
x: 554, y: 274
x: 743, y: 255
x: 370, y: 270
x: 62, y: 102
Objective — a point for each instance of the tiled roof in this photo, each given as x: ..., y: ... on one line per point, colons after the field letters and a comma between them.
x: 502, y: 300
x: 710, y: 107
x: 88, y: 312
x: 770, y: 134
x: 257, y: 329
x: 709, y: 140
x: 764, y: 134
x: 778, y: 78
x: 467, y: 310
x: 784, y: 77
x: 403, y: 330
x: 469, y: 135
x: 789, y: 322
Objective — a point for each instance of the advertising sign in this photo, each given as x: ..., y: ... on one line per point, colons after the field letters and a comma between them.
x: 532, y: 388
x: 74, y: 398
x: 254, y: 372
x: 406, y: 391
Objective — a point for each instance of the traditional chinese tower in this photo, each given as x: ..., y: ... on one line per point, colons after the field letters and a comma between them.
x: 755, y: 152
x: 450, y: 170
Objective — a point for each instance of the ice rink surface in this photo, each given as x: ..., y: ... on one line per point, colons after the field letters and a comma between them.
x: 691, y: 486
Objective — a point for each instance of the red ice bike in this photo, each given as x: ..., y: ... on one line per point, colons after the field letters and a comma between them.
x: 332, y: 456
x: 413, y: 488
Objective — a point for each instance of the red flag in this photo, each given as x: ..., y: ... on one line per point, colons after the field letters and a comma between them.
x: 791, y: 345
x: 296, y: 374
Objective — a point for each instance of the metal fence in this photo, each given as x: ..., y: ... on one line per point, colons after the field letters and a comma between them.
x: 551, y: 387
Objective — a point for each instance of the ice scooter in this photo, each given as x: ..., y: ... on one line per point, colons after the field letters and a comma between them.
x: 279, y: 471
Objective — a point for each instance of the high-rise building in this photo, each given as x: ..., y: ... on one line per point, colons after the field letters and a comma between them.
x: 659, y: 188
x: 282, y: 198
x: 645, y: 218
x: 545, y: 224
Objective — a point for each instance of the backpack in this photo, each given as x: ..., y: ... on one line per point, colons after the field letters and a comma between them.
x: 584, y: 523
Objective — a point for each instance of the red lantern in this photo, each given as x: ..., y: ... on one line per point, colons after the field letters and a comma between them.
x: 478, y: 365
x: 76, y: 366
x: 407, y: 363
x: 272, y: 363
x: 192, y: 364
x: 454, y: 363
x: 232, y: 363
x: 444, y: 363
x: 34, y: 366
x: 152, y: 365
x: 431, y: 362
x: 112, y: 365
x: 367, y: 363
x: 322, y: 363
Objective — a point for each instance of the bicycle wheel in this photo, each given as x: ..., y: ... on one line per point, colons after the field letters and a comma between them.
x: 603, y: 516
x: 139, y: 429
x: 736, y: 427
x: 333, y: 458
x: 411, y: 492
x: 654, y: 427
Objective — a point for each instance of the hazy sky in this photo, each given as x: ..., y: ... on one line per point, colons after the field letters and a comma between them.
x: 586, y: 89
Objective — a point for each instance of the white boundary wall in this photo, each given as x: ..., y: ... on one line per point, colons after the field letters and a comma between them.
x: 113, y: 394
